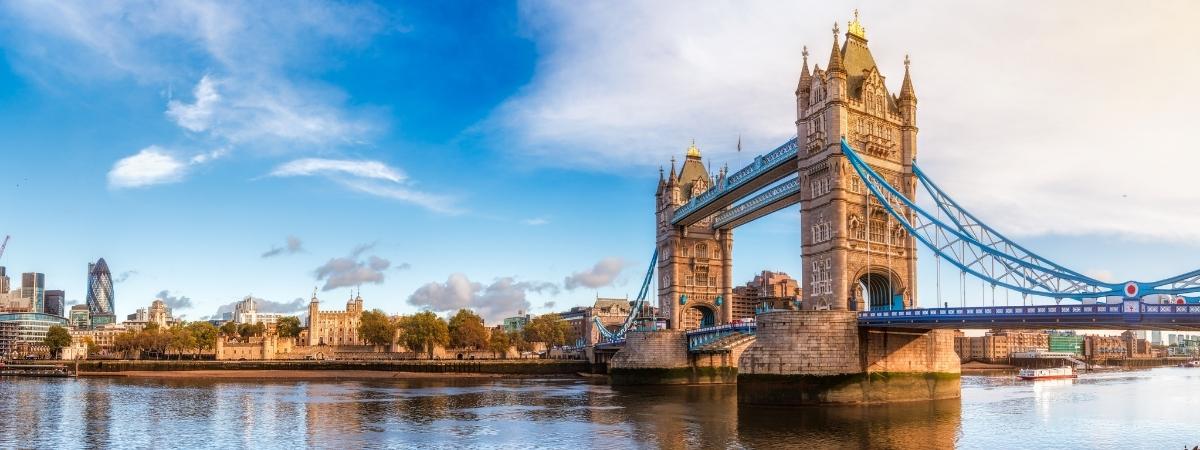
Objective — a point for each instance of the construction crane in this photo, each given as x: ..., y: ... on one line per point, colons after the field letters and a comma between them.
x: 5, y: 244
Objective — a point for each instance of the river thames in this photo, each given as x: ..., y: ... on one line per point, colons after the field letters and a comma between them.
x: 1139, y: 409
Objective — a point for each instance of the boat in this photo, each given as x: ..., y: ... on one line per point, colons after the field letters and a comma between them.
x: 1190, y: 364
x: 1056, y: 373
x: 35, y: 370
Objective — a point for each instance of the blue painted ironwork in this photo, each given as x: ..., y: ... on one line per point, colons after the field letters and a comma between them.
x: 748, y: 207
x: 701, y: 337
x: 1129, y: 314
x: 977, y: 249
x: 638, y: 304
x: 761, y: 165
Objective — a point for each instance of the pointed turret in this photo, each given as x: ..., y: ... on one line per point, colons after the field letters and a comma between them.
x: 673, y: 178
x: 805, y: 76
x: 906, y: 89
x: 835, y: 56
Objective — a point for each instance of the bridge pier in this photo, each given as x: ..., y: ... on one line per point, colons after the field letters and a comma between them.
x: 824, y: 357
x: 662, y: 357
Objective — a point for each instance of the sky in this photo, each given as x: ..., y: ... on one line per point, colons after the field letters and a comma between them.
x: 504, y: 156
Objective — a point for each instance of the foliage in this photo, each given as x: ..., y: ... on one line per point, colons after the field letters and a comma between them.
x: 288, y: 326
x: 376, y: 327
x: 92, y: 348
x: 229, y: 329
x: 180, y: 340
x: 467, y: 330
x: 548, y: 328
x: 57, y: 338
x: 499, y: 343
x: 205, y: 335
x: 248, y: 330
x: 423, y: 331
x: 518, y: 340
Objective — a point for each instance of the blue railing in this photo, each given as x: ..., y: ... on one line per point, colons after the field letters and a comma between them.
x: 783, y: 190
x: 761, y: 164
x: 703, y: 336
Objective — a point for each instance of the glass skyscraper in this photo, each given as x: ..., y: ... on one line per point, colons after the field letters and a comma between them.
x: 100, y: 289
x: 33, y: 287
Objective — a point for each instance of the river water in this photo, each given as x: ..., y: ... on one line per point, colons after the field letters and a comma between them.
x: 1157, y: 409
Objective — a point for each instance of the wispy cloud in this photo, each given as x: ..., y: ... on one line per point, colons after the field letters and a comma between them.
x: 293, y: 246
x: 155, y: 165
x: 600, y: 275
x: 369, y: 177
x: 353, y: 270
x: 536, y: 221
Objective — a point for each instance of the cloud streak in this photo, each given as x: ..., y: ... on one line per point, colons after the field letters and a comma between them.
x: 369, y: 177
x: 352, y: 270
x: 293, y: 246
x: 600, y: 275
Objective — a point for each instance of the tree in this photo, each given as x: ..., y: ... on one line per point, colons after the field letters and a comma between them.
x: 92, y: 348
x: 548, y: 328
x: 205, y: 335
x: 126, y: 343
x: 518, y: 340
x: 180, y: 340
x: 376, y: 327
x: 499, y: 343
x: 423, y: 331
x: 57, y: 338
x: 229, y: 329
x: 248, y: 330
x: 288, y: 326
x: 467, y: 330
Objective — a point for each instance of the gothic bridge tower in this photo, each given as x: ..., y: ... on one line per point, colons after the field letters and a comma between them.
x: 695, y: 265
x: 855, y: 256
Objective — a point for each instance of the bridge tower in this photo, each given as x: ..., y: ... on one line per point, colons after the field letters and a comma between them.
x: 856, y: 257
x: 695, y: 265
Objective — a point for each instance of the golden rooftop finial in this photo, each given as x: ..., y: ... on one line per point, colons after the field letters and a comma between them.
x: 693, y: 151
x: 855, y: 28
x: 906, y: 61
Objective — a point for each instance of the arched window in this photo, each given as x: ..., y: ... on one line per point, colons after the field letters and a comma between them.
x: 701, y: 250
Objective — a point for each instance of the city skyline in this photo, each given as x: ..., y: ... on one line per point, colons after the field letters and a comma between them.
x: 464, y: 178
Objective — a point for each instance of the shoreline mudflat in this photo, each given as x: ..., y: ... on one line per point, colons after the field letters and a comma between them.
x: 301, y: 374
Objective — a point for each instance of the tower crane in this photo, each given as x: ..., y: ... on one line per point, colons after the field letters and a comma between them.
x: 5, y: 244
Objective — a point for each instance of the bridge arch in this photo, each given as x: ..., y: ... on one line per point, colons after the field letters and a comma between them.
x: 875, y: 289
x: 699, y: 316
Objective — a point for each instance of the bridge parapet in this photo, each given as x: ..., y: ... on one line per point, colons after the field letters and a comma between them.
x: 1126, y: 315
x: 699, y: 338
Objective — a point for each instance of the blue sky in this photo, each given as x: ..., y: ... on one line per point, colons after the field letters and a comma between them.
x: 504, y: 156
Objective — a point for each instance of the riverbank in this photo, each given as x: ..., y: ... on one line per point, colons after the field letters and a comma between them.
x: 289, y: 374
x: 329, y: 369
x: 976, y: 367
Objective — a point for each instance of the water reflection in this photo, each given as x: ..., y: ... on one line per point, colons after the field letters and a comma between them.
x: 572, y: 413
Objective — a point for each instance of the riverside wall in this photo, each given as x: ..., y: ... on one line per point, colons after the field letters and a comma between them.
x: 503, y: 367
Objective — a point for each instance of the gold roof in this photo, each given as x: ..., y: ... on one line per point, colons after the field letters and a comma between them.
x: 692, y: 151
x: 855, y: 27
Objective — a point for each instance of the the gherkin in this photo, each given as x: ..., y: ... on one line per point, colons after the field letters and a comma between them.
x: 100, y: 288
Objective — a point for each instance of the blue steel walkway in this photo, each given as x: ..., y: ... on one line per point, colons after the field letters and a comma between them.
x: 1121, y: 316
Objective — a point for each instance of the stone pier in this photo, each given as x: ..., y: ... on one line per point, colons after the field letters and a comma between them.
x: 823, y: 357
x: 661, y: 357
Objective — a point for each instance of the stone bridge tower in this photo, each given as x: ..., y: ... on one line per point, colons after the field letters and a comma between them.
x: 695, y: 262
x: 855, y: 256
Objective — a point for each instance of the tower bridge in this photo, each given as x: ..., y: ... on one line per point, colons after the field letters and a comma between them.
x: 858, y: 335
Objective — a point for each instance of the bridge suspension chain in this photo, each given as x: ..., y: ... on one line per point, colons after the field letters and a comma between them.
x: 638, y: 305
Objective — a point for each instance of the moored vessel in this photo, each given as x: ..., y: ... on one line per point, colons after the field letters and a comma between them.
x: 1056, y: 373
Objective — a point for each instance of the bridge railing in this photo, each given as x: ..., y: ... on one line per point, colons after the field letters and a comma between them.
x: 761, y: 164
x: 981, y: 311
x: 703, y: 336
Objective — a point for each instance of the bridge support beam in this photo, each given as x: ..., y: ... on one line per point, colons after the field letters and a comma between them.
x: 661, y: 357
x: 823, y: 357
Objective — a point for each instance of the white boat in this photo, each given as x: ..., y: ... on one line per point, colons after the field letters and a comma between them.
x: 1056, y: 373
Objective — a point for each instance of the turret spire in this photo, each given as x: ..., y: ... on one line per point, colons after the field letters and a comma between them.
x: 835, y: 56
x: 906, y: 89
x: 805, y: 76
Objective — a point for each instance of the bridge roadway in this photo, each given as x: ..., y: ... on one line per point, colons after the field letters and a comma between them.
x: 762, y: 172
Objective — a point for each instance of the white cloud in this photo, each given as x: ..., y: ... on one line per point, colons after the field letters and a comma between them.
x: 154, y: 165
x: 600, y: 275
x: 1035, y: 138
x: 315, y: 166
x: 368, y: 177
x: 503, y: 298
x: 196, y: 116
x: 351, y: 270
x: 536, y: 221
x: 150, y: 166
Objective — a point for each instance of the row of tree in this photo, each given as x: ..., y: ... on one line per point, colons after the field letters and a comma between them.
x: 423, y: 331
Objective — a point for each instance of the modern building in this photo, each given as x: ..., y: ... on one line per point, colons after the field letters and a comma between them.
x: 1156, y: 337
x: 517, y: 323
x: 5, y: 283
x: 333, y: 327
x: 1065, y: 342
x: 101, y: 299
x: 25, y: 330
x: 56, y: 303
x: 33, y: 287
x: 80, y: 317
x: 246, y: 311
x: 775, y: 290
x: 14, y: 302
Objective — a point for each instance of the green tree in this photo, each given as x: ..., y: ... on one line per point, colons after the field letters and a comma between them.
x: 126, y: 343
x: 548, y: 328
x: 205, y: 335
x: 92, y: 348
x: 248, y: 330
x: 288, y: 326
x: 180, y: 340
x: 57, y: 338
x: 423, y: 331
x: 518, y: 340
x: 376, y: 327
x: 229, y: 329
x: 467, y: 330
x: 499, y: 343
